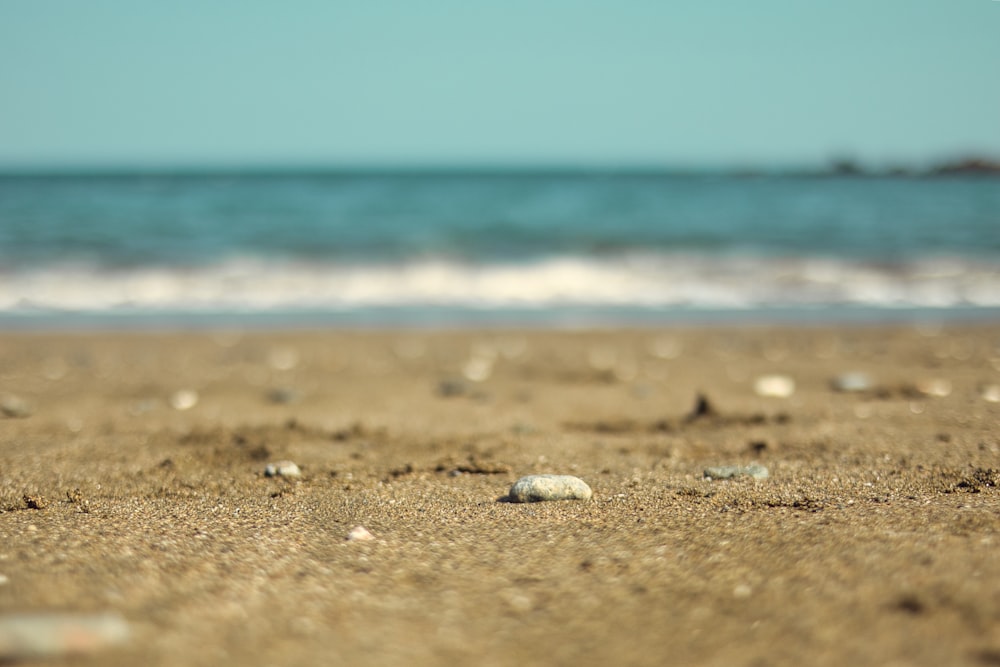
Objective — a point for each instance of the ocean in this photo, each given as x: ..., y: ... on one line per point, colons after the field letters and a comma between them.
x: 494, y: 247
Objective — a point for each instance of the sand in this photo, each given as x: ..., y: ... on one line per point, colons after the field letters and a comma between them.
x: 136, y: 486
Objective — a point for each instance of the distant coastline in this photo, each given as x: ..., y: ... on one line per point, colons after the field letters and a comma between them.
x: 966, y: 166
x: 972, y: 165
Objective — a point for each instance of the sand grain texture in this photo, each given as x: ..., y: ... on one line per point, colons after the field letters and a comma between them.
x: 874, y: 541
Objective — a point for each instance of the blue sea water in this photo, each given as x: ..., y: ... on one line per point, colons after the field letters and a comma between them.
x: 492, y: 247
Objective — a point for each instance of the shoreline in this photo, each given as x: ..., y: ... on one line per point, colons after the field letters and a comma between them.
x: 468, y: 319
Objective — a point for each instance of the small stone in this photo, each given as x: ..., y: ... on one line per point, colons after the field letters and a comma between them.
x: 516, y: 600
x: 359, y: 534
x: 774, y: 386
x: 4, y: 579
x: 478, y: 369
x: 34, y: 501
x: 851, y: 382
x: 535, y: 488
x: 283, y: 358
x: 991, y: 393
x: 452, y: 388
x: 937, y: 387
x: 283, y: 395
x: 282, y: 469
x: 702, y: 408
x: 26, y: 636
x: 14, y: 407
x: 754, y: 470
x: 185, y: 399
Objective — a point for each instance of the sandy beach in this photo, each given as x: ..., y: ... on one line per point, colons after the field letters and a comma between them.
x: 132, y: 482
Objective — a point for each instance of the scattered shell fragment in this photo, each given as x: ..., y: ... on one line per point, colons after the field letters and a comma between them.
x: 853, y: 381
x: 478, y: 369
x: 775, y: 386
x: 282, y: 469
x: 25, y: 636
x: 938, y: 387
x: 359, y: 534
x: 516, y: 600
x: 536, y: 488
x: 185, y: 399
x: 991, y: 393
x: 754, y: 470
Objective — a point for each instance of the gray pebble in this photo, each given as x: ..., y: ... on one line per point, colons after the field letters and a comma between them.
x: 535, y: 488
x: 283, y: 396
x: 452, y: 388
x: 282, y: 469
x: 14, y: 406
x: 754, y: 470
x: 851, y: 382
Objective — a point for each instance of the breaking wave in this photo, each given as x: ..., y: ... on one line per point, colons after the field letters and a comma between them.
x: 643, y: 281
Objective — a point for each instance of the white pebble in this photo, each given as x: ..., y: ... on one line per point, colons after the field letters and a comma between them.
x: 774, y: 386
x: 755, y: 470
x: 478, y: 369
x: 991, y: 393
x: 359, y: 534
x: 185, y: 399
x: 282, y: 469
x: 535, y: 488
x: 283, y: 358
x: 937, y: 387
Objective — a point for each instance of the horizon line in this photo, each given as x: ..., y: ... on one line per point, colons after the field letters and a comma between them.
x: 841, y: 167
x: 834, y: 161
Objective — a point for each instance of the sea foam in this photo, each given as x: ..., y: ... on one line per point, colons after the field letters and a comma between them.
x: 642, y: 281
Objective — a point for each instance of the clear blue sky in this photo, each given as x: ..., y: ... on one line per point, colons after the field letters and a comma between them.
x: 616, y: 82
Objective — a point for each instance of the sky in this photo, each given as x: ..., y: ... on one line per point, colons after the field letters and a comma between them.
x: 138, y: 83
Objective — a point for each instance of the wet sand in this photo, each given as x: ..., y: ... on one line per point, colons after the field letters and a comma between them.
x: 136, y: 485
